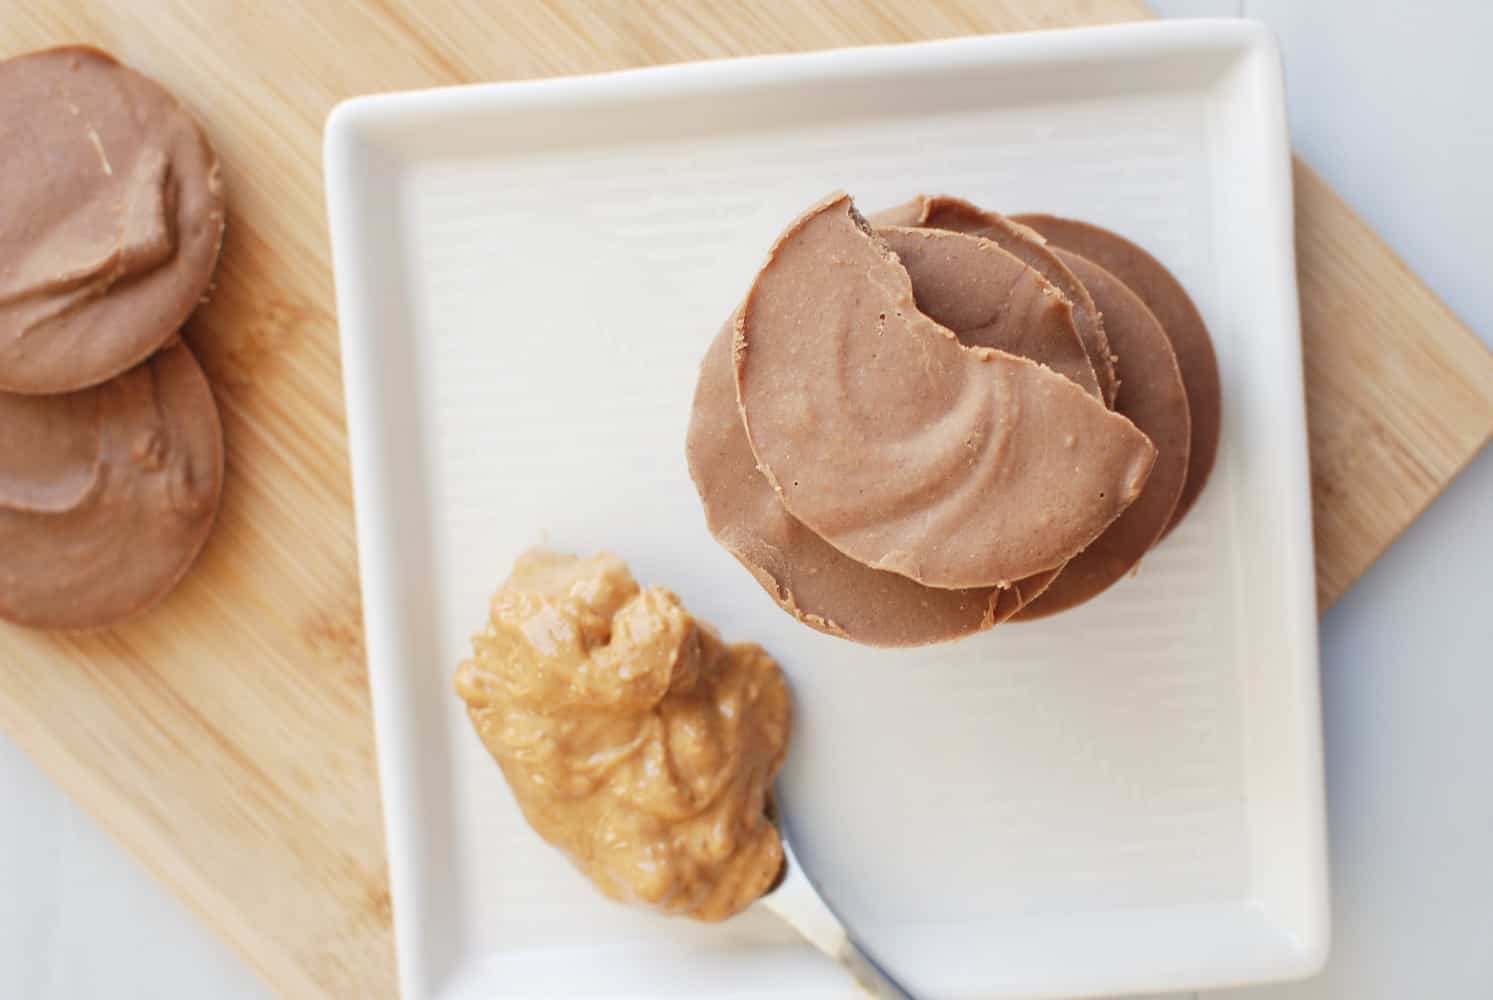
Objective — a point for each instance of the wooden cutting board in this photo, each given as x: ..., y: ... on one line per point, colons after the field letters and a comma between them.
x: 225, y: 738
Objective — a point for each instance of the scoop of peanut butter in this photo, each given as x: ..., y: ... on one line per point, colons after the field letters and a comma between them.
x: 633, y: 738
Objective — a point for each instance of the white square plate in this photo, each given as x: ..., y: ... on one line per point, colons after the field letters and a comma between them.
x: 1126, y: 798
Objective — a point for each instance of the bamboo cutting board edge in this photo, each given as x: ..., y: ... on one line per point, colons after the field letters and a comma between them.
x: 225, y: 738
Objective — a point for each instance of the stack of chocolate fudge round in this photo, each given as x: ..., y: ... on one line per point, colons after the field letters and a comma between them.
x: 921, y: 425
x: 111, y: 449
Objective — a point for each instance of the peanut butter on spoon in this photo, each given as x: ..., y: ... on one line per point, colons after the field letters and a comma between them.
x: 633, y: 738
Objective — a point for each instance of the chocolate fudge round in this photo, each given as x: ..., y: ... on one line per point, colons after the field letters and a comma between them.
x: 1164, y: 295
x: 1152, y: 395
x: 107, y: 494
x: 112, y: 209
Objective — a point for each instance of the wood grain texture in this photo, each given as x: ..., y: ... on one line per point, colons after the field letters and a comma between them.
x: 225, y: 738
x: 1399, y: 393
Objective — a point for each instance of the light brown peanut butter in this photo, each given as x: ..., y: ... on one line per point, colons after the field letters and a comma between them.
x: 633, y: 738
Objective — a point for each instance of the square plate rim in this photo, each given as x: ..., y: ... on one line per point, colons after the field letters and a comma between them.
x: 352, y: 129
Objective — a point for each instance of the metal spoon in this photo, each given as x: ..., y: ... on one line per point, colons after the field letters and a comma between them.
x: 798, y: 904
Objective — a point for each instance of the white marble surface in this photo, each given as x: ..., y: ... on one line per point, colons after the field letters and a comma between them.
x: 1407, y: 655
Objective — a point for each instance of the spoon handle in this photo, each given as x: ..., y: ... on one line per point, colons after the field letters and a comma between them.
x: 799, y: 905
